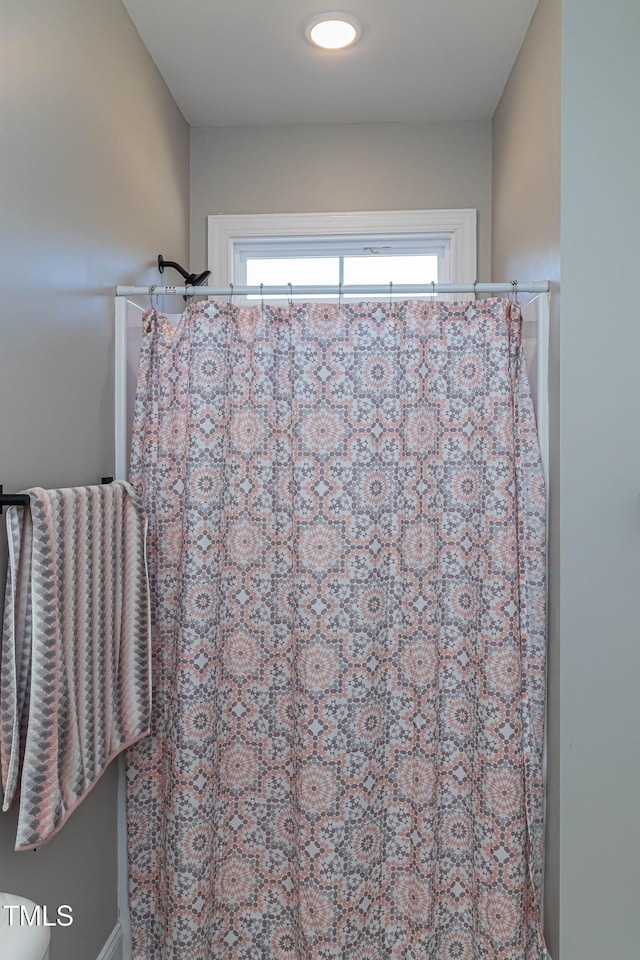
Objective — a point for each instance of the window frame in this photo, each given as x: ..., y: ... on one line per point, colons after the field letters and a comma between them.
x: 230, y: 236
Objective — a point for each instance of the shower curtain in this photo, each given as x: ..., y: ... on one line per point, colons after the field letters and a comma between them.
x: 347, y: 561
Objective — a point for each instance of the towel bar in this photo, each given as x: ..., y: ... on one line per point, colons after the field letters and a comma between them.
x: 22, y: 499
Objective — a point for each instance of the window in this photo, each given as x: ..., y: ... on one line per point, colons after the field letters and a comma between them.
x: 415, y: 246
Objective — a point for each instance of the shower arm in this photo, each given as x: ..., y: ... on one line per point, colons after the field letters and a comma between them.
x: 190, y: 279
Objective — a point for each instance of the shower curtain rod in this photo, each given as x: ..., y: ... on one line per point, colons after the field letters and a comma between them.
x: 334, y: 290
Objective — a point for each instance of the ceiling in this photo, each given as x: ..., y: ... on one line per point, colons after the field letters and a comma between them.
x: 243, y: 62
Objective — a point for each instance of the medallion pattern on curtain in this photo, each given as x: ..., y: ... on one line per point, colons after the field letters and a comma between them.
x: 347, y: 562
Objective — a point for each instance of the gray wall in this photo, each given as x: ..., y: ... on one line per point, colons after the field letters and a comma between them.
x: 526, y: 244
x: 600, y: 482
x: 333, y: 167
x: 94, y: 174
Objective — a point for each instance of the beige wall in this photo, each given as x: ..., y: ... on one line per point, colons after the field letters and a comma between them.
x: 600, y: 482
x: 94, y: 184
x: 526, y: 244
x: 333, y: 167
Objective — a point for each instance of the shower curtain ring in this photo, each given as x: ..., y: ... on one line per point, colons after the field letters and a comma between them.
x: 231, y: 294
x: 340, y: 297
x: 290, y: 295
x: 475, y: 292
x: 390, y: 292
x: 262, y: 297
x: 433, y: 289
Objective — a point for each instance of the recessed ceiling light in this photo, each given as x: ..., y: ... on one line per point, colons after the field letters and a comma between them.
x: 333, y: 31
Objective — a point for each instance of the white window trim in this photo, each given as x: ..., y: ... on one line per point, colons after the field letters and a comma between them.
x: 459, y: 226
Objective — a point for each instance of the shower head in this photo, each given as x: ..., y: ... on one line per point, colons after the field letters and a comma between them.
x: 190, y: 279
x: 198, y: 280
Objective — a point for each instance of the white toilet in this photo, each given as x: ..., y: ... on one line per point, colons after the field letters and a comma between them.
x: 21, y: 942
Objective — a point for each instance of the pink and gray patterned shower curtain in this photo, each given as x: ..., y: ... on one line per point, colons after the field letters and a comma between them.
x: 347, y: 552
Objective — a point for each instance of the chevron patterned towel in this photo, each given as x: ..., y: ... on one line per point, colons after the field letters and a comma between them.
x: 75, y: 680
